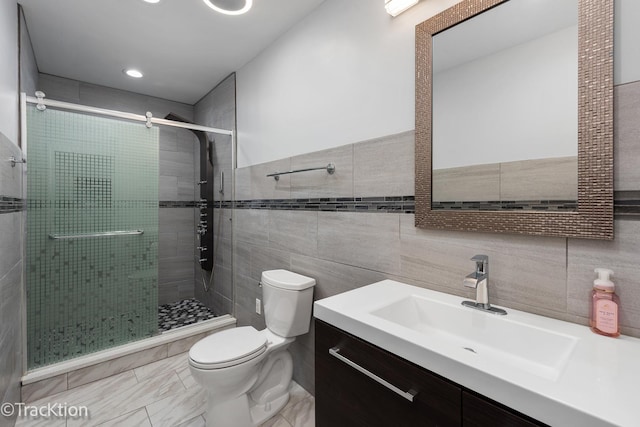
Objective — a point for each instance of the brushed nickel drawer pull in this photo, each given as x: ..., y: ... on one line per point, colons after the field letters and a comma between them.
x: 409, y: 395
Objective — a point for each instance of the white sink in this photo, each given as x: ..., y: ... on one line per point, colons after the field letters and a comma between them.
x: 497, y: 338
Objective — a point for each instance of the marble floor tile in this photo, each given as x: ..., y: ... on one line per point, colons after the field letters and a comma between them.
x: 177, y: 408
x: 174, y: 363
x: 27, y: 421
x: 115, y: 366
x: 277, y: 421
x: 296, y: 394
x: 187, y: 379
x: 159, y: 394
x: 137, y: 418
x: 105, y: 407
x: 194, y: 422
x: 301, y: 414
x: 97, y: 389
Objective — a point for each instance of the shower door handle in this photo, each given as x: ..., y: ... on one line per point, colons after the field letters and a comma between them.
x: 99, y: 234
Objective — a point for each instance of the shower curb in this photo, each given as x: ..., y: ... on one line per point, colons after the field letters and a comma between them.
x: 73, y: 373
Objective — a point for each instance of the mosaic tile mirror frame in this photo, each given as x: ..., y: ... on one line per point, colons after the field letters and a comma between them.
x: 593, y: 217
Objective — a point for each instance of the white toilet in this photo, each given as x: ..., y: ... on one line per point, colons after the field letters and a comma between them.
x: 247, y: 372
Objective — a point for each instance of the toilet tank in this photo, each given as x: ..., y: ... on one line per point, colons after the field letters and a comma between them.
x: 287, y: 299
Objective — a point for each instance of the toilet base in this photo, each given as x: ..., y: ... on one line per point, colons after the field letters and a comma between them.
x: 247, y: 399
x: 239, y: 413
x: 231, y: 413
x: 261, y: 413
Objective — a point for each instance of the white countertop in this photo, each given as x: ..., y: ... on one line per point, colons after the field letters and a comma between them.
x: 598, y: 386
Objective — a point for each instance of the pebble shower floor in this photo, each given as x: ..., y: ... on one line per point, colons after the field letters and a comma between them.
x: 182, y: 313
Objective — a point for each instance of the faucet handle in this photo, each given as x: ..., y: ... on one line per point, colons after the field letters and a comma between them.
x: 480, y: 258
x: 482, y: 263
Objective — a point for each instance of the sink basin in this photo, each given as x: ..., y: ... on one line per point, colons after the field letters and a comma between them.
x: 493, y: 338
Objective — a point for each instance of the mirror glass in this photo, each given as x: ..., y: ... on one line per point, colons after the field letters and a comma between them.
x: 505, y: 109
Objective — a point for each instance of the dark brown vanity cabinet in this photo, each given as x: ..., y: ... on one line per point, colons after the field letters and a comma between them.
x: 478, y: 411
x: 348, y: 396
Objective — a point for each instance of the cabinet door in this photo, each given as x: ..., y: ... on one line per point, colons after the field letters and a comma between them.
x: 347, y: 397
x: 478, y: 411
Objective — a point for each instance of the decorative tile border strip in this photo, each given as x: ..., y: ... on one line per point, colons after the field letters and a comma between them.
x: 11, y: 204
x: 518, y: 205
x: 177, y: 204
x: 627, y: 204
x: 396, y: 204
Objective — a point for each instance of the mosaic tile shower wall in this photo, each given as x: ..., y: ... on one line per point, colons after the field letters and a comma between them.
x: 87, y: 176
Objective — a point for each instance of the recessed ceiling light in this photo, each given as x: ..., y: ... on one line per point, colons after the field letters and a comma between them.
x: 152, y: 1
x: 229, y: 7
x: 133, y: 73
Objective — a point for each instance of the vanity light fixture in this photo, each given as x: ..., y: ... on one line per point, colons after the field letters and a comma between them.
x: 396, y: 7
x: 133, y: 73
x: 244, y: 9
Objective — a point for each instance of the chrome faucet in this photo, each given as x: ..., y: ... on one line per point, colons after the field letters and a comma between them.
x: 479, y: 280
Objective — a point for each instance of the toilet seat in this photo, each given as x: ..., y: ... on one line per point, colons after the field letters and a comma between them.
x: 228, y: 348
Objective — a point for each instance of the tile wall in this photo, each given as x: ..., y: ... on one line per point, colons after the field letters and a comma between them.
x: 12, y: 213
x: 12, y: 220
x: 218, y: 109
x: 343, y: 250
x: 178, y: 174
x: 28, y: 65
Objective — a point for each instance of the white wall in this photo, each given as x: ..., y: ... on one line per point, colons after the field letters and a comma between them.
x: 626, y: 67
x: 9, y: 69
x: 346, y: 74
x: 499, y: 119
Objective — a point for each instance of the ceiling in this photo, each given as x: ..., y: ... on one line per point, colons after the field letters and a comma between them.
x: 182, y: 46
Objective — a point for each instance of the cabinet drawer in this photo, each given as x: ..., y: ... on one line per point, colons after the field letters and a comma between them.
x: 478, y: 411
x: 348, y: 396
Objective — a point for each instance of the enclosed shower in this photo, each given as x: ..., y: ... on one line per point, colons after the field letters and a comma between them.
x: 99, y: 269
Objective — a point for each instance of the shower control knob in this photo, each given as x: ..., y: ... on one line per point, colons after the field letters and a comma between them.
x: 202, y: 182
x: 202, y: 248
x: 201, y: 260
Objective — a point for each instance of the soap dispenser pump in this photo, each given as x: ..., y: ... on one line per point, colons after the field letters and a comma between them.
x: 605, y: 305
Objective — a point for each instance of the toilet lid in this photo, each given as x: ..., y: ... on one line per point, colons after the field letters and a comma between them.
x: 286, y: 279
x: 228, y: 348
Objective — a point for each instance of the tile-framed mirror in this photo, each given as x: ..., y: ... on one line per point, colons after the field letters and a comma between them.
x: 522, y: 164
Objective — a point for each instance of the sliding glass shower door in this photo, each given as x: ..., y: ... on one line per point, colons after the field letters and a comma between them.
x: 92, y: 234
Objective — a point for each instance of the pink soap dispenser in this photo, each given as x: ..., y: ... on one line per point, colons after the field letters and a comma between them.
x: 605, y: 305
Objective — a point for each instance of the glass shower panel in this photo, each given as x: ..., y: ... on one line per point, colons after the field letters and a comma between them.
x: 92, y: 234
